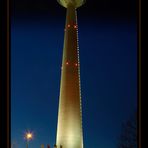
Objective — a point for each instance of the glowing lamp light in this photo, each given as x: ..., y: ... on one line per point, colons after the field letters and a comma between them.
x: 76, y: 64
x: 68, y: 25
x: 28, y: 136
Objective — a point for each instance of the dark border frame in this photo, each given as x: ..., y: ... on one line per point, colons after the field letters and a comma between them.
x: 5, y: 93
x: 5, y: 74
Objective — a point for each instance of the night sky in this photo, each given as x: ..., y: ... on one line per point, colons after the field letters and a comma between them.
x: 108, y: 67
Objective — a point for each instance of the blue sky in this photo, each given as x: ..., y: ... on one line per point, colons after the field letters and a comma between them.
x: 108, y: 60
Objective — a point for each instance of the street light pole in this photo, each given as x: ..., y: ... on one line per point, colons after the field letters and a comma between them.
x: 27, y: 144
x: 28, y: 137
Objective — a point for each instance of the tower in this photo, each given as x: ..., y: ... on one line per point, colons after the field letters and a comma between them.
x: 69, y: 127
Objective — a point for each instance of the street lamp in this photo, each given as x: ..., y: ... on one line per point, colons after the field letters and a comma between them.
x: 28, y: 137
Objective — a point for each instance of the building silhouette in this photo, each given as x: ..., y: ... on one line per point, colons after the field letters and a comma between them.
x: 69, y: 127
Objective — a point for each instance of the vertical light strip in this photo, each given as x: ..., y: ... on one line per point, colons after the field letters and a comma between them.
x: 79, y: 75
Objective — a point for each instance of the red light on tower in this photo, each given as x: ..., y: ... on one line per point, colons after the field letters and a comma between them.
x: 67, y: 63
x: 75, y: 26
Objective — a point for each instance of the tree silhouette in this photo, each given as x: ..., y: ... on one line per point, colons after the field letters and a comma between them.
x: 128, y: 136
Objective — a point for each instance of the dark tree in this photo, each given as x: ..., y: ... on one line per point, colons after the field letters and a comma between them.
x: 128, y: 136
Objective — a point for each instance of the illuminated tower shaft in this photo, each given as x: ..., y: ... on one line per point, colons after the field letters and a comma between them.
x: 69, y: 128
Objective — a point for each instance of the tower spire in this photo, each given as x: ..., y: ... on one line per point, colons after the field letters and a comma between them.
x: 69, y: 127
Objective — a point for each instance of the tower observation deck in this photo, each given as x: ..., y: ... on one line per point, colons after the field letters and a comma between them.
x: 69, y: 126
